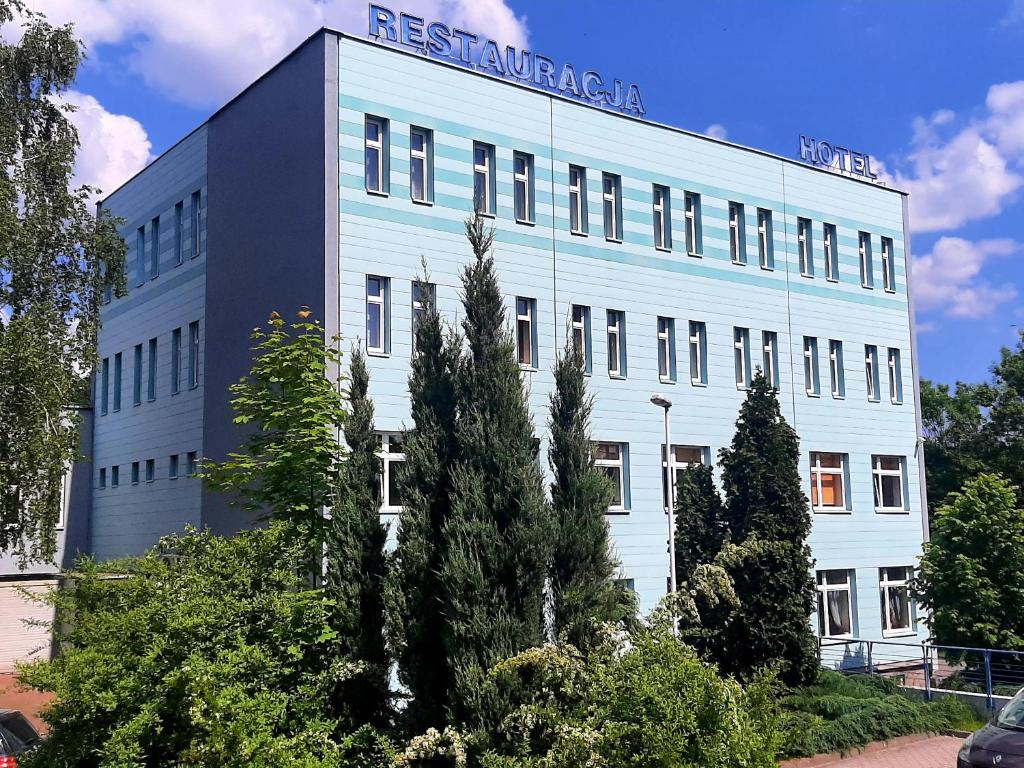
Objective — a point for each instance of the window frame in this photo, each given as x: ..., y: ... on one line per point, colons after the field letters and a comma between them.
x: 154, y: 248
x: 427, y: 296
x: 741, y: 356
x: 837, y: 375
x: 817, y: 470
x: 698, y: 341
x: 895, y: 369
x: 666, y: 346
x: 879, y: 473
x: 812, y: 377
x: 140, y: 256
x: 424, y: 157
x: 691, y: 215
x: 118, y: 381
x: 618, y: 464
x: 661, y: 197
x: 193, y: 355
x: 380, y: 146
x: 527, y: 180
x: 867, y: 277
x: 770, y: 357
x: 672, y: 463
x: 173, y: 466
x: 387, y: 459
x: 151, y: 369
x: 380, y: 301
x: 578, y: 200
x: 737, y: 234
x: 526, y: 322
x: 137, y: 376
x: 887, y: 584
x: 175, y: 361
x: 871, y: 372
x: 612, y: 201
x: 805, y: 246
x: 150, y: 470
x: 765, y: 238
x: 830, y: 245
x: 581, y: 327
x: 823, y: 588
x: 105, y: 386
x: 888, y: 266
x: 485, y: 171
x: 135, y: 473
x: 179, y: 233
x: 615, y: 327
x: 192, y: 463
x: 196, y: 220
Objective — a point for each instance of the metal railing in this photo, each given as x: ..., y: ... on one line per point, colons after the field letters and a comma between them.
x: 927, y: 666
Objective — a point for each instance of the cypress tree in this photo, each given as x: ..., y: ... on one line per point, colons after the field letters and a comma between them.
x: 497, y: 541
x: 581, y: 563
x: 418, y: 624
x: 700, y: 526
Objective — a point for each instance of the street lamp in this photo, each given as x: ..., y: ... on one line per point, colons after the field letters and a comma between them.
x: 663, y: 402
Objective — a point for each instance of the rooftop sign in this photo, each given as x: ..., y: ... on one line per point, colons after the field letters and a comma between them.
x: 456, y: 45
x: 828, y: 155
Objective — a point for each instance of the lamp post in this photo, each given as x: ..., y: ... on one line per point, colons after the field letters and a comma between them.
x: 664, y: 403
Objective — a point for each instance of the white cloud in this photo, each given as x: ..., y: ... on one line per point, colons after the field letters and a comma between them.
x: 948, y: 278
x: 716, y: 131
x: 202, y: 53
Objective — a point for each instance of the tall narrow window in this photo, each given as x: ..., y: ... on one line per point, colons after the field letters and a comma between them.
x: 391, y: 455
x: 871, y: 370
x: 765, y: 245
x: 662, y: 217
x: 680, y: 458
x: 895, y: 377
x: 526, y: 310
x: 192, y: 463
x: 172, y: 466
x: 150, y: 470
x: 770, y: 357
x: 867, y: 278
x: 830, y: 243
x: 737, y: 234
x: 835, y: 604
x: 197, y: 218
x: 376, y: 314
x: 828, y: 481
x: 580, y: 327
x: 611, y: 191
x: 894, y: 591
x: 616, y: 344
x: 179, y: 233
x: 175, y: 361
x: 424, y: 295
x: 811, y: 381
x: 375, y: 155
x: 154, y: 247
x: 140, y: 256
x: 103, y: 477
x: 483, y: 178
x: 666, y: 349
x: 105, y: 386
x: 137, y: 377
x: 115, y: 476
x: 421, y: 164
x: 888, y: 266
x: 523, y: 187
x: 691, y: 202
x: 193, y: 354
x: 609, y: 459
x: 835, y: 366
x: 117, y: 381
x: 741, y: 356
x: 805, y: 243
x: 577, y: 200
x: 698, y: 353
x: 151, y: 382
x: 887, y: 476
x: 135, y: 473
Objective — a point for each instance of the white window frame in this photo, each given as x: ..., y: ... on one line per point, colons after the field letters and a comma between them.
x: 895, y: 376
x: 614, y: 336
x: 878, y: 472
x: 618, y: 464
x: 887, y: 583
x: 486, y: 171
x: 524, y: 179
x: 388, y: 458
x: 741, y: 354
x: 380, y: 302
x: 662, y: 225
x: 427, y: 293
x: 835, y: 361
x: 764, y: 238
x: 817, y: 470
x: 824, y: 588
x: 691, y: 212
x: 578, y: 199
x: 831, y: 260
x: 423, y: 157
x: 611, y: 201
x: 578, y: 329
x: 864, y: 253
x: 665, y: 349
x: 526, y: 309
x: 769, y: 350
x: 870, y: 371
x: 375, y: 145
x: 812, y: 381
x: 737, y: 235
x: 805, y: 247
x: 675, y: 465
x: 888, y: 266
x: 698, y: 339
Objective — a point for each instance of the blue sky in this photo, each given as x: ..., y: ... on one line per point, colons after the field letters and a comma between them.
x: 934, y: 90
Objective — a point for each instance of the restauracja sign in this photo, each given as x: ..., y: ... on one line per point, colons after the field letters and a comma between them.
x: 440, y: 40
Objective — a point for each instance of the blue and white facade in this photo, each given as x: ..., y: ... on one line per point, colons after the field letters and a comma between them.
x: 682, y: 262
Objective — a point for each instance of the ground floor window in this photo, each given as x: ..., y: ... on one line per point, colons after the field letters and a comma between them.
x: 894, y: 591
x: 610, y: 459
x: 835, y: 603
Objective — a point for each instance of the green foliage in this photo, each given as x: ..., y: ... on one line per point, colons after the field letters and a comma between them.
x: 55, y: 258
x: 700, y: 527
x: 582, y: 563
x: 209, y: 652
x: 971, y: 576
x: 838, y: 714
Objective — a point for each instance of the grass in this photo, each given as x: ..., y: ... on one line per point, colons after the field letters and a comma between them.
x: 840, y: 713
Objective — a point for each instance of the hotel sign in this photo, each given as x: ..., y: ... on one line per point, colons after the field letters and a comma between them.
x: 472, y: 50
x: 828, y: 155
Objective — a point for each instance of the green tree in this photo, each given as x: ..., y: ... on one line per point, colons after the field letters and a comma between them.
x: 971, y: 576
x: 768, y: 559
x: 582, y: 563
x: 951, y: 421
x: 56, y: 260
x: 418, y: 620
x: 700, y: 527
x: 497, y: 541
x: 1003, y: 400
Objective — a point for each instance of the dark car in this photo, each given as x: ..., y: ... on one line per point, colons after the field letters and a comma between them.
x: 17, y: 736
x: 1000, y: 744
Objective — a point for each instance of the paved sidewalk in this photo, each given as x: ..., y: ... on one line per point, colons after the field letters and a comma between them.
x: 937, y: 752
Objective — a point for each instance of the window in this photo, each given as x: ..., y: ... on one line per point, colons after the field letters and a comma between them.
x: 765, y: 247
x: 140, y: 256
x: 770, y: 356
x: 154, y: 247
x: 117, y: 381
x: 887, y: 476
x: 523, y: 187
x: 835, y: 604
x: 864, y: 251
x: 831, y: 246
x: 616, y: 344
x: 691, y: 202
x: 192, y: 464
x: 812, y: 383
x: 611, y: 191
x: 151, y: 384
x: 172, y: 466
x: 175, y: 361
x: 698, y: 353
x: 483, y: 178
x: 376, y: 314
x: 666, y: 349
x: 421, y: 164
x: 104, y: 386
x: 391, y: 455
x: 375, y: 155
x: 894, y: 591
x: 835, y: 366
x: 193, y: 354
x: 423, y: 296
x: 662, y: 198
x: 737, y: 234
x: 828, y: 481
x: 577, y: 200
x: 179, y: 233
x: 805, y: 244
x: 135, y: 473
x: 871, y: 370
x: 196, y: 214
x: 150, y: 470
x: 681, y: 457
x: 103, y: 478
x: 137, y: 377
x: 741, y: 355
x: 526, y: 313
x: 609, y: 458
x: 580, y: 327
x: 888, y: 266
x: 115, y: 476
x: 895, y: 377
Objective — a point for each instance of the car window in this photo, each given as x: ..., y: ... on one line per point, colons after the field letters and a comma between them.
x: 18, y: 725
x: 10, y: 744
x: 1012, y: 715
